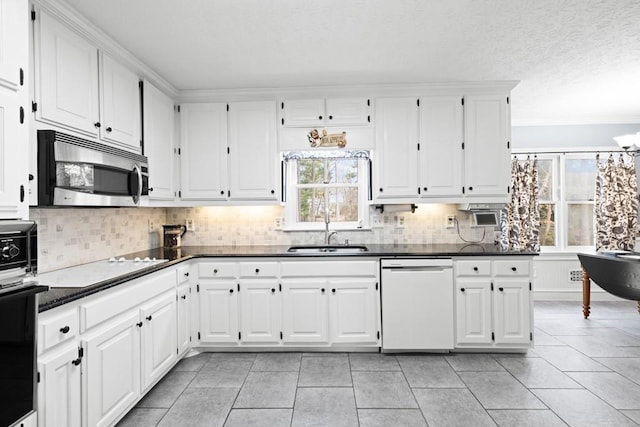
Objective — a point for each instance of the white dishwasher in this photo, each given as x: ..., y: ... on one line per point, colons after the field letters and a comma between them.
x: 417, y: 304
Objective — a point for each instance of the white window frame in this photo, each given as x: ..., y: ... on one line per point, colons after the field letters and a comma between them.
x: 291, y: 222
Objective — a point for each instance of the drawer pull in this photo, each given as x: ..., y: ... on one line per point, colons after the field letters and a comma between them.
x: 149, y: 318
x: 322, y: 290
x: 501, y: 289
x: 215, y: 271
x: 186, y: 274
x: 513, y: 269
x: 76, y: 362
x: 273, y: 291
x: 230, y: 291
x: 475, y: 268
x: 139, y: 324
x: 333, y: 291
x: 461, y: 289
x: 183, y: 297
x: 257, y: 270
x: 65, y: 330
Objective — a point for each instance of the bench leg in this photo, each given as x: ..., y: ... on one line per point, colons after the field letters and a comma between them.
x: 586, y: 295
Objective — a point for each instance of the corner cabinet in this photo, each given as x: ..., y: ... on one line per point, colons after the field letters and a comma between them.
x: 396, y: 166
x: 494, y: 308
x: 14, y: 133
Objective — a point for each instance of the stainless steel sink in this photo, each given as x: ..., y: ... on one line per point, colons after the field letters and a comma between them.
x: 352, y: 249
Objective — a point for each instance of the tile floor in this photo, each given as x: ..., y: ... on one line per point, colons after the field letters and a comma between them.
x: 580, y: 373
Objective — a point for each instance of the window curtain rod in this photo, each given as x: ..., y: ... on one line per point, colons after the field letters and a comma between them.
x: 634, y: 153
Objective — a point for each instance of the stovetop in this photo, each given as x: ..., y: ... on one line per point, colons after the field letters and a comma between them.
x: 95, y: 272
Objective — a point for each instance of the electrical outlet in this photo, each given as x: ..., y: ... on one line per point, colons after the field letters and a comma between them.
x: 279, y: 223
x: 152, y: 226
x: 451, y: 221
x: 377, y: 221
x: 399, y: 221
x: 191, y: 226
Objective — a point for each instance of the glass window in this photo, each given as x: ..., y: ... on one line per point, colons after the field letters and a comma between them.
x: 547, y: 225
x: 580, y: 224
x: 580, y: 176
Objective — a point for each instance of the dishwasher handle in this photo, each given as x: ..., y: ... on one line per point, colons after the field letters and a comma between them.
x: 410, y: 269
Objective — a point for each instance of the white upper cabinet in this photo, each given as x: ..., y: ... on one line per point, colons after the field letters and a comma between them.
x: 348, y: 112
x: 441, y: 142
x: 396, y: 174
x: 487, y: 152
x: 203, y: 151
x: 13, y: 43
x: 66, y: 77
x: 317, y: 112
x: 303, y: 112
x: 72, y: 93
x: 158, y: 123
x: 120, y: 104
x: 253, y: 157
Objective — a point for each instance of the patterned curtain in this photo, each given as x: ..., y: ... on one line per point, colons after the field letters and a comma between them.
x: 520, y: 219
x: 616, y: 204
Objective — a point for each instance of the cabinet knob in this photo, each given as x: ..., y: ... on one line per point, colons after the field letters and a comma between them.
x: 381, y: 189
x: 319, y: 117
x: 230, y: 291
x: 257, y: 270
x: 322, y: 290
x: 330, y: 117
x: 424, y: 188
x: 501, y: 289
x: 150, y: 189
x: 139, y: 324
x: 215, y: 271
x: 475, y: 268
x: 470, y: 188
x: 97, y: 124
x: 514, y: 269
x: 186, y: 274
x: 31, y: 177
x: 183, y: 297
x: 333, y: 291
x: 273, y: 191
x: 273, y: 290
x: 461, y: 289
x: 64, y: 330
x: 108, y: 129
x: 76, y: 362
x: 149, y: 318
x: 222, y: 192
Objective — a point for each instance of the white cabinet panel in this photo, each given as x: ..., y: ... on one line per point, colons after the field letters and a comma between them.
x: 511, y: 311
x: 159, y: 339
x: 303, y: 112
x: 260, y: 308
x: 67, y: 77
x: 396, y: 148
x: 253, y: 158
x: 59, y: 398
x: 13, y: 42
x: 473, y: 308
x: 486, y: 145
x: 218, y: 311
x: 348, y: 111
x: 112, y: 372
x: 184, y: 316
x: 305, y: 311
x: 353, y: 311
x: 441, y: 137
x: 203, y: 156
x: 158, y: 123
x: 13, y: 158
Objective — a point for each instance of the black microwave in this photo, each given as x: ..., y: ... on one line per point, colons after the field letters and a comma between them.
x: 76, y: 172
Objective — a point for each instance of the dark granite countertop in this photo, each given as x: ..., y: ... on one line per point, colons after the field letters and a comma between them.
x: 59, y: 296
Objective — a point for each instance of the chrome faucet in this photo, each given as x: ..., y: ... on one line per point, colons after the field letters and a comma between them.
x: 327, y: 234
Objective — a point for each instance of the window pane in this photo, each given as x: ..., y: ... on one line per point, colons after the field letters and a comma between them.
x: 547, y: 225
x: 343, y: 204
x: 311, y: 205
x: 580, y: 224
x: 580, y: 176
x: 545, y: 179
x: 344, y: 171
x: 311, y: 171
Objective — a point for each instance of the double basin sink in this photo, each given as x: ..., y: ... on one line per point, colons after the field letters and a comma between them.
x: 328, y: 249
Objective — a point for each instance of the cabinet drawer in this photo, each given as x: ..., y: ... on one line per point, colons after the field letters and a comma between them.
x: 259, y: 269
x: 217, y: 269
x: 511, y: 268
x: 329, y: 268
x: 473, y: 268
x: 56, y: 328
x: 183, y: 274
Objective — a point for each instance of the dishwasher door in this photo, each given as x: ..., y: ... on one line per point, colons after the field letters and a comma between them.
x: 417, y: 305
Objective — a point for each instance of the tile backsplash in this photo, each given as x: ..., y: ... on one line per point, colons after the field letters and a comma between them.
x: 71, y: 236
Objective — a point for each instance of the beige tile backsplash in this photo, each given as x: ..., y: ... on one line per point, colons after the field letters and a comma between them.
x: 72, y: 236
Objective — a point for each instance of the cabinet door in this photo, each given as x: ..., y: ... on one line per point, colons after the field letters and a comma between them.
x: 203, y: 152
x: 396, y: 148
x: 260, y: 311
x: 473, y: 311
x: 353, y: 311
x: 303, y: 112
x: 253, y: 158
x: 218, y: 312
x: 441, y: 155
x: 66, y: 67
x: 112, y: 375
x: 305, y: 311
x: 511, y: 314
x: 119, y: 105
x: 59, y: 388
x: 159, y: 339
x: 348, y: 112
x: 184, y: 326
x: 486, y: 153
x: 13, y: 158
x: 13, y: 42
x: 158, y: 123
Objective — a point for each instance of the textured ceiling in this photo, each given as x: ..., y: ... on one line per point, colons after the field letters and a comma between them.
x: 578, y: 60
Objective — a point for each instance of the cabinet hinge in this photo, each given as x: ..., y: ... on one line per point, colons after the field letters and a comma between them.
x: 530, y: 336
x: 493, y: 336
x: 198, y: 335
x: 177, y: 108
x: 462, y: 101
x: 227, y: 107
x: 282, y: 105
x: 140, y: 84
x: 179, y: 151
x: 418, y: 102
x: 238, y: 287
x: 508, y: 189
x: 239, y: 335
x: 33, y: 15
x: 491, y: 285
x: 377, y: 284
x: 176, y: 297
x: 180, y: 193
x: 80, y: 352
x: 228, y: 193
x: 529, y: 285
x: 418, y: 190
x: 462, y: 190
x: 368, y: 119
x: 418, y: 146
x: 21, y: 115
x: 38, y: 377
x: 189, y: 338
x: 280, y: 287
x: 177, y: 352
x: 507, y: 99
x: 282, y: 121
x: 228, y: 150
x: 21, y: 193
x: 508, y: 144
x: 368, y: 103
x: 198, y: 287
x: 21, y: 76
x: 463, y: 145
x: 378, y: 335
x: 34, y: 106
x: 280, y: 335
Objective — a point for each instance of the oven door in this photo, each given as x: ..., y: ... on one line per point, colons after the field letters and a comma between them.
x: 18, y: 353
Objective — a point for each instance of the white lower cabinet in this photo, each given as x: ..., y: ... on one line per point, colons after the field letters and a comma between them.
x: 493, y: 303
x: 218, y: 311
x: 304, y: 311
x: 353, y: 310
x: 184, y: 315
x: 260, y: 311
x: 59, y: 396
x: 159, y: 349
